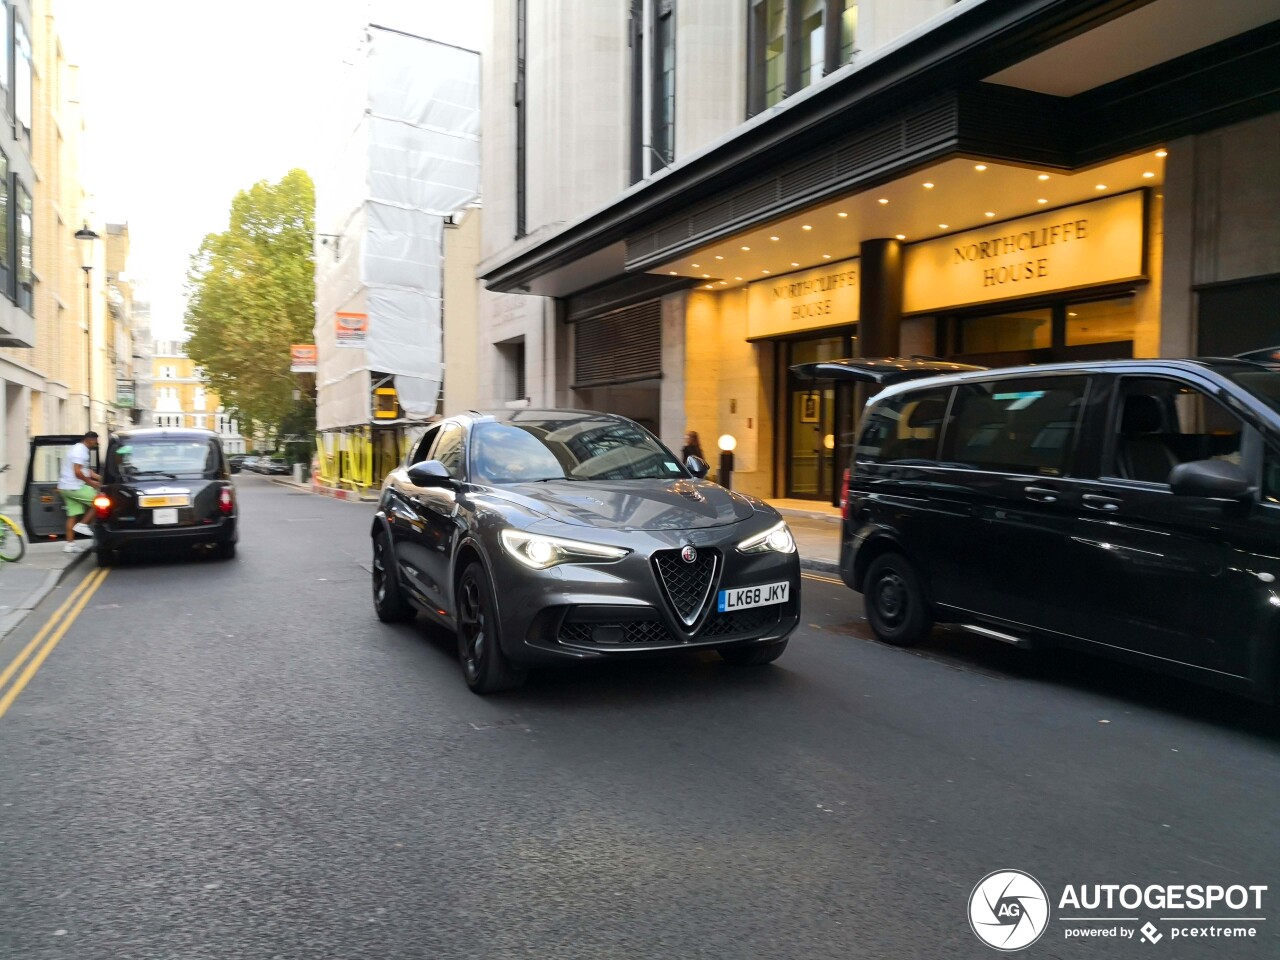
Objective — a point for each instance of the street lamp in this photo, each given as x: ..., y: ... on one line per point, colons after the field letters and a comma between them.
x: 727, y: 443
x: 86, y: 239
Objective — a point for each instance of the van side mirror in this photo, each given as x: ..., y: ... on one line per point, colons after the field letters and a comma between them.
x: 1216, y: 479
x: 698, y: 467
x: 430, y: 473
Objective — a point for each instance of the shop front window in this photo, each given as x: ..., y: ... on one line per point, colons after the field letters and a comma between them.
x: 1101, y: 321
x: 1007, y: 331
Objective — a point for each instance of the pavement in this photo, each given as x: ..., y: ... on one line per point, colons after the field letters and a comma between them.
x: 23, y: 585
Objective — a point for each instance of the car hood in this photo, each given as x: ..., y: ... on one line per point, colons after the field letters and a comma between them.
x: 631, y: 504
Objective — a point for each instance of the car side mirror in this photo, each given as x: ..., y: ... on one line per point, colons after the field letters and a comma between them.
x: 698, y: 467
x: 1216, y: 479
x: 430, y: 473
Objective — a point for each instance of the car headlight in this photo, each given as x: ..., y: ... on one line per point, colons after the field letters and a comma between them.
x: 540, y: 551
x: 777, y: 539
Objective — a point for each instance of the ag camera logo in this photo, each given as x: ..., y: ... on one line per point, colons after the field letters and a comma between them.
x: 1008, y: 910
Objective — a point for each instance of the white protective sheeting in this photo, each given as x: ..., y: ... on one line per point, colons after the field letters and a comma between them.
x: 409, y: 159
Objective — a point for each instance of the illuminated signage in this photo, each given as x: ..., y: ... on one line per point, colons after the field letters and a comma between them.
x: 823, y: 297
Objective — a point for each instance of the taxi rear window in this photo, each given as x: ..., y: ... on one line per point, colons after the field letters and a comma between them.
x: 162, y: 457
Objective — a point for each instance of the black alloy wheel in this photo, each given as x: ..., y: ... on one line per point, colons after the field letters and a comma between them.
x: 484, y: 665
x: 388, y: 599
x: 896, y: 606
x: 754, y: 654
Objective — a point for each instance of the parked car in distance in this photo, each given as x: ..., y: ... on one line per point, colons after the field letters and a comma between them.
x: 545, y: 536
x: 164, y: 487
x: 1129, y: 508
x: 236, y: 463
x: 274, y: 465
x: 248, y: 464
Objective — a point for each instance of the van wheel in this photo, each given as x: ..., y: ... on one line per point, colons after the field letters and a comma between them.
x: 896, y: 606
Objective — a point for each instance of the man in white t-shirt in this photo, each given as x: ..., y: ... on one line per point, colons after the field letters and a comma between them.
x: 78, y: 485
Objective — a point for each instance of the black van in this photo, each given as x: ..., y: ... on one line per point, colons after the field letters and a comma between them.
x: 1128, y: 507
x: 165, y: 487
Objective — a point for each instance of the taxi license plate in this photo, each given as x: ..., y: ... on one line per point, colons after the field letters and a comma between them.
x: 739, y: 598
x: 173, y: 500
x: 163, y: 517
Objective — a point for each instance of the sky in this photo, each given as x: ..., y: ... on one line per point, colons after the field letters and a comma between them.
x: 188, y: 102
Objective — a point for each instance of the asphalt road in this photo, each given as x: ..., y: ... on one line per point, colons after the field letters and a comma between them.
x: 235, y: 759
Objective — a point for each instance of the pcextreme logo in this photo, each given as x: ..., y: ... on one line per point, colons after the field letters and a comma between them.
x: 1009, y: 910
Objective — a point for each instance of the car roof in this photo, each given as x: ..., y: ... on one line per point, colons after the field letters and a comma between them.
x: 144, y: 433
x: 535, y: 415
x: 1197, y: 364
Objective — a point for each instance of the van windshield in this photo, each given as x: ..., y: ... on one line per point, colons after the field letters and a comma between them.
x: 1264, y: 384
x: 161, y: 457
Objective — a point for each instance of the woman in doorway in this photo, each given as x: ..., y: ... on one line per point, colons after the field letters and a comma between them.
x: 691, y: 448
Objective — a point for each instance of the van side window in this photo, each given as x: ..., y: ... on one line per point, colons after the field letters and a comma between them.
x: 1159, y: 423
x: 1016, y: 426
x: 905, y: 428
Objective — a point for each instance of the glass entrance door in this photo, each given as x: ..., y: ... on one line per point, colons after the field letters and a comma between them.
x: 814, y: 411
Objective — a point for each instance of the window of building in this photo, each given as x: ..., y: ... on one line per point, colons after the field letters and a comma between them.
x: 813, y: 54
x: 22, y: 234
x: 848, y: 31
x: 795, y: 43
x: 198, y: 402
x: 1101, y: 321
x: 21, y: 75
x: 1008, y: 330
x: 5, y: 54
x: 663, y: 105
x: 168, y: 372
x: 512, y: 360
x: 6, y: 263
x: 521, y: 109
x: 1016, y: 426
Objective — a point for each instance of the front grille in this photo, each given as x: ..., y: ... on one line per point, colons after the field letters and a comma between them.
x: 740, y: 621
x: 687, y: 585
x: 623, y: 633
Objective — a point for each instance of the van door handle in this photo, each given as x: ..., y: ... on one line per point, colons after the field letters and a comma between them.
x: 1042, y: 494
x: 1095, y: 502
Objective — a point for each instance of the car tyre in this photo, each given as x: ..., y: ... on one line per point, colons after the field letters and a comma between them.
x: 484, y: 665
x: 225, y: 551
x: 106, y: 557
x: 753, y: 655
x: 388, y: 599
x: 896, y: 605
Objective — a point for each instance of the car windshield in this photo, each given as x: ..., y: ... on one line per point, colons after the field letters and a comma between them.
x: 162, y: 457
x: 1262, y: 383
x: 576, y: 449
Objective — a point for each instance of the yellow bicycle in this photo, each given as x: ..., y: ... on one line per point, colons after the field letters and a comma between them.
x: 12, y: 543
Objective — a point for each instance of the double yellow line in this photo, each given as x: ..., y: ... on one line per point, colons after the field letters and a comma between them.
x: 49, y: 635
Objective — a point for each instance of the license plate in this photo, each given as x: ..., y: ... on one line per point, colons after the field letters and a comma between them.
x: 173, y: 500
x: 739, y: 598
x: 166, y: 516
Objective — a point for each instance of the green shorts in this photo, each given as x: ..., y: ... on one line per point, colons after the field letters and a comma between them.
x: 77, y: 501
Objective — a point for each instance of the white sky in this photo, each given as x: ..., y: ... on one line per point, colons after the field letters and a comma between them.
x: 189, y: 101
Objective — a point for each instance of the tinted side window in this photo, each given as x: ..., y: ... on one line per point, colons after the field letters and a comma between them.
x: 1017, y: 426
x: 905, y: 428
x: 424, y: 447
x: 1160, y: 423
x: 448, y: 449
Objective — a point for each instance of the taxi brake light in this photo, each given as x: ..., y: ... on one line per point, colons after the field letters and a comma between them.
x: 102, y: 505
x: 225, y: 503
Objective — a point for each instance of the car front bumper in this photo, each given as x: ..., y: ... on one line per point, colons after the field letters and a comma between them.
x: 597, y: 611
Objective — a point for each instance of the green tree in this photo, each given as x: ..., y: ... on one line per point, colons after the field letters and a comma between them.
x: 250, y: 294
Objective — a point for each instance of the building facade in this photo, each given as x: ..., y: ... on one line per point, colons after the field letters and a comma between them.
x: 182, y: 396
x: 707, y: 194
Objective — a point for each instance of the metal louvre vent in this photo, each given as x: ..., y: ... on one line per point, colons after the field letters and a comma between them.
x: 687, y: 585
x: 620, y: 347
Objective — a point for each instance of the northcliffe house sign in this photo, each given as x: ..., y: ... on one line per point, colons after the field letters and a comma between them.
x: 809, y: 300
x: 1081, y: 246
